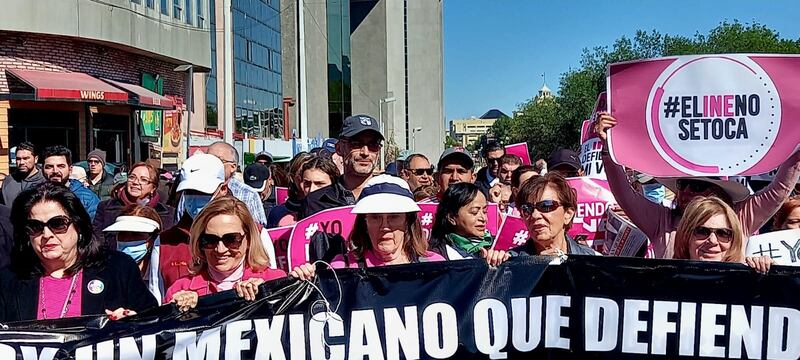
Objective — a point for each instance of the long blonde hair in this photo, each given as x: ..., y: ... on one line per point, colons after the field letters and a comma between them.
x: 256, y: 257
x: 696, y: 214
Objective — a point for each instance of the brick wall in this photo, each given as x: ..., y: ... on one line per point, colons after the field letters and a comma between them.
x: 59, y: 54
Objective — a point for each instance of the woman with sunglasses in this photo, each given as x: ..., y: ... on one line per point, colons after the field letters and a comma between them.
x: 142, y: 189
x: 547, y: 205
x: 136, y: 233
x: 227, y: 254
x: 710, y: 231
x: 459, y: 231
x: 659, y: 223
x: 59, y: 270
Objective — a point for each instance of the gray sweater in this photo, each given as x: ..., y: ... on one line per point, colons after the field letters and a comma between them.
x: 17, y: 183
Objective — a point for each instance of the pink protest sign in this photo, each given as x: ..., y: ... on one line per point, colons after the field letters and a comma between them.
x: 281, y: 194
x: 337, y: 220
x: 512, y: 233
x: 587, y: 128
x: 586, y: 131
x: 594, y: 198
x: 280, y: 240
x: 520, y: 150
x: 427, y: 216
x: 705, y: 115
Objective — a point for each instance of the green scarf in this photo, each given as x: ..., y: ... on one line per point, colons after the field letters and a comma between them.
x: 471, y: 245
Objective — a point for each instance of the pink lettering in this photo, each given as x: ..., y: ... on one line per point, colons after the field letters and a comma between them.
x: 728, y: 99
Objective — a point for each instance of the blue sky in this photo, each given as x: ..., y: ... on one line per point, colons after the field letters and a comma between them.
x: 496, y: 50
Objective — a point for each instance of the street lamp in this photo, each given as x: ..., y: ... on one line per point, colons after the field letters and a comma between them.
x: 390, y: 99
x: 414, y: 138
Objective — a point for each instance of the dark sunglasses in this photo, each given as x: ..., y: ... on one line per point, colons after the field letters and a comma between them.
x: 419, y: 172
x: 693, y: 185
x: 57, y: 224
x: 493, y: 160
x: 372, y: 146
x: 544, y: 206
x: 231, y: 240
x: 702, y: 232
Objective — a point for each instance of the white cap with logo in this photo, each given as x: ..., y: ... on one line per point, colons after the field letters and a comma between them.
x: 203, y: 173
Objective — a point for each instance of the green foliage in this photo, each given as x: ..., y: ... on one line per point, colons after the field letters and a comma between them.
x: 449, y: 142
x: 549, y: 124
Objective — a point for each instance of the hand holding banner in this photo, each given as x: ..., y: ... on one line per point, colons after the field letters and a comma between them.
x: 705, y: 115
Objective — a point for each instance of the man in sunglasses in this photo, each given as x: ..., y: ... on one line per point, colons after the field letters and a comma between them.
x: 359, y: 145
x: 417, y: 171
x: 202, y: 180
x: 487, y: 176
x: 57, y: 165
x: 100, y: 181
x: 659, y: 223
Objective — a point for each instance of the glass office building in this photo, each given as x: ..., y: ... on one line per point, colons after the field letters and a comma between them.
x: 258, y: 95
x: 339, y: 81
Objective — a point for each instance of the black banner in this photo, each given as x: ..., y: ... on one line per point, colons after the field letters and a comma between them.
x: 587, y: 307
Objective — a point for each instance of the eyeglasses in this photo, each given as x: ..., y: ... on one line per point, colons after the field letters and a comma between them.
x: 694, y: 186
x: 231, y: 240
x: 723, y: 235
x: 57, y: 224
x: 419, y: 172
x: 374, y: 146
x: 140, y: 180
x: 493, y: 160
x: 544, y: 206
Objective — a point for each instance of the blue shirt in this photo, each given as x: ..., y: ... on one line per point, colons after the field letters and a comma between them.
x: 249, y: 197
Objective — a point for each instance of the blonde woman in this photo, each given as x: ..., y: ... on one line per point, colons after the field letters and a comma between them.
x: 227, y: 254
x: 710, y: 231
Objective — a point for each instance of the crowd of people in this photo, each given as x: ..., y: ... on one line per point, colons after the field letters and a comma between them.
x: 81, y: 241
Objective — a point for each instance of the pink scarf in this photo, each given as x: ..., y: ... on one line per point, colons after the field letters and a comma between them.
x: 224, y: 280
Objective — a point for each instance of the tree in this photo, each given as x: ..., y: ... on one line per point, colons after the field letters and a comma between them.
x: 449, y: 142
x: 502, y: 130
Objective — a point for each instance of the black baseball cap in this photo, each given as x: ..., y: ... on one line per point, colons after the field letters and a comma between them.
x: 255, y: 176
x: 563, y: 157
x: 456, y: 154
x: 356, y: 124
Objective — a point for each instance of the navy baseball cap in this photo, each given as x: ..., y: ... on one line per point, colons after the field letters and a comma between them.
x: 356, y: 124
x: 255, y: 176
x: 457, y: 154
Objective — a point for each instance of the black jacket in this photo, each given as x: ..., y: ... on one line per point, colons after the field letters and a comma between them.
x: 6, y: 236
x: 108, y: 211
x: 123, y: 288
x: 482, y: 181
x: 329, y: 197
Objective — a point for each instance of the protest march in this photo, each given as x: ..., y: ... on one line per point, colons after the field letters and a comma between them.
x: 659, y: 217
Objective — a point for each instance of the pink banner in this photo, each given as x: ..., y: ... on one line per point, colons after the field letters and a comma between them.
x: 281, y: 194
x: 337, y: 220
x: 280, y: 240
x: 520, y: 150
x: 428, y: 216
x: 512, y: 233
x: 586, y: 131
x: 705, y: 115
x: 594, y: 198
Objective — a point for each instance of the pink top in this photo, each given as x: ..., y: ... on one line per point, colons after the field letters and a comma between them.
x: 202, y: 283
x: 658, y: 223
x: 373, y: 261
x: 55, y: 294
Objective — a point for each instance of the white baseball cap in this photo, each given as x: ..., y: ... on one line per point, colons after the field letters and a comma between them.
x: 385, y: 194
x: 202, y: 172
x: 133, y: 224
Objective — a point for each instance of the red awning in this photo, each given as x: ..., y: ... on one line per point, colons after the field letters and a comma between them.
x: 48, y: 85
x: 145, y: 97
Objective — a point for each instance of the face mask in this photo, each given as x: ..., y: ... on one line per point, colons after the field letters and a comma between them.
x: 193, y: 204
x: 135, y: 249
x: 654, y: 192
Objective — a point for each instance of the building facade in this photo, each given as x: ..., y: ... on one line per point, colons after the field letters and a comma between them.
x: 468, y: 131
x: 377, y: 57
x: 258, y: 100
x: 101, y: 74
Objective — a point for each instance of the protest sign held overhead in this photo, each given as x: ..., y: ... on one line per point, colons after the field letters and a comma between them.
x: 520, y: 150
x: 591, y: 145
x: 673, y: 112
x: 782, y: 246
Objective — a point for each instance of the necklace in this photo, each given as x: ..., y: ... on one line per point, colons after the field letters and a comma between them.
x: 67, y: 301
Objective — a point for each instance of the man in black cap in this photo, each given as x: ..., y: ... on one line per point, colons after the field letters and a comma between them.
x: 454, y: 166
x: 264, y: 158
x: 566, y: 162
x: 359, y: 145
x: 259, y: 177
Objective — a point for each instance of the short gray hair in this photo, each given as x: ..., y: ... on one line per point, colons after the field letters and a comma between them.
x: 231, y: 149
